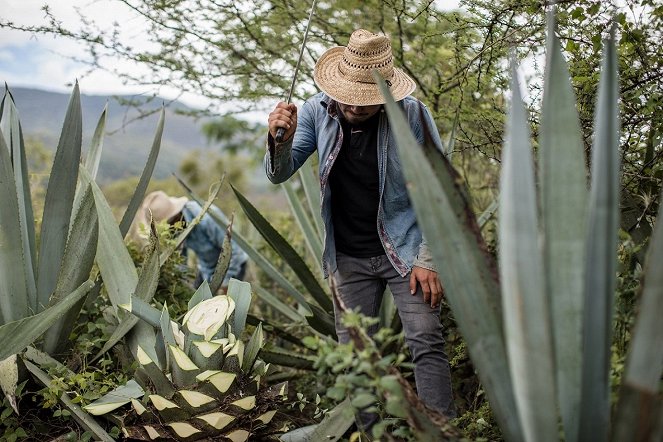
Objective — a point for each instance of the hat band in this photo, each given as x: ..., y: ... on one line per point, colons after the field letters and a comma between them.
x: 364, y: 72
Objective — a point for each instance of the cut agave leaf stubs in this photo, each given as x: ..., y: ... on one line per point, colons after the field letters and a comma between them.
x: 208, y: 317
x: 211, y: 386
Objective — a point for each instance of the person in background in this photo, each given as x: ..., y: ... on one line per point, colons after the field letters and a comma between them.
x: 205, y: 239
x: 372, y: 237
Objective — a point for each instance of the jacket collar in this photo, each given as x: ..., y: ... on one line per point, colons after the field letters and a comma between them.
x: 330, y: 105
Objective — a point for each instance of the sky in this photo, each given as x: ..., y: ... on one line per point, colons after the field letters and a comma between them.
x: 44, y: 62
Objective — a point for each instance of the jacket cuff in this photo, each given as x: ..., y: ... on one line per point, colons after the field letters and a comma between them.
x: 424, y: 258
x: 277, y: 153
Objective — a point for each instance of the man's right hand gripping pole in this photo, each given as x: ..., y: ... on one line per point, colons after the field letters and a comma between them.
x: 284, y: 116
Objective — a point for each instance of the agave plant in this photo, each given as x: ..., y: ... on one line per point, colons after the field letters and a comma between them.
x: 201, y: 380
x: 33, y: 280
x: 42, y: 289
x: 538, y: 327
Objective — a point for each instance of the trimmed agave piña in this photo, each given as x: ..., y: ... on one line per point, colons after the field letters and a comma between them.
x: 540, y: 338
x: 201, y: 380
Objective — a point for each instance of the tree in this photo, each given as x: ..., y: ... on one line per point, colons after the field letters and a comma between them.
x: 582, y: 24
x: 244, y: 53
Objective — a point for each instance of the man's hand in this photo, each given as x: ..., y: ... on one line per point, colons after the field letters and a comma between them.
x: 285, y: 116
x: 430, y: 285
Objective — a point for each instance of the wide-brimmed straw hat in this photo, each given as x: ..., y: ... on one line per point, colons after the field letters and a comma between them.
x: 162, y: 206
x: 345, y: 73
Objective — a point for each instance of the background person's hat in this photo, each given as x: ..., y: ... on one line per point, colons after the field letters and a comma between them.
x: 162, y: 206
x: 345, y: 72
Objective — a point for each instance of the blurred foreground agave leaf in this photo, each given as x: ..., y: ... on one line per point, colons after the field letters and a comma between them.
x: 557, y: 267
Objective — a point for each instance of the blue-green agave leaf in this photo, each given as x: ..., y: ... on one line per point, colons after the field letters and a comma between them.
x: 113, y: 400
x: 59, y: 201
x: 449, y: 148
x: 77, y: 264
x: 311, y: 186
x: 636, y: 417
x: 252, y: 349
x: 137, y: 198
x: 17, y: 335
x: 563, y: 214
x: 92, y: 160
x: 286, y: 358
x: 13, y: 133
x: 601, y: 254
x: 96, y: 146
x: 278, y: 305
x: 335, y: 423
x: 525, y: 307
x: 14, y: 299
x: 222, y: 264
x: 203, y: 293
x: 466, y: 270
x: 148, y: 280
x: 387, y: 309
x: 286, y: 252
x: 240, y: 292
x: 143, y: 292
x: 275, y: 330
x: 144, y: 310
x: 303, y: 220
x: 321, y: 321
x: 115, y: 264
x: 487, y: 214
x: 165, y: 335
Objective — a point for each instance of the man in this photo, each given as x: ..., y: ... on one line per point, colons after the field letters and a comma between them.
x: 205, y: 239
x: 372, y: 237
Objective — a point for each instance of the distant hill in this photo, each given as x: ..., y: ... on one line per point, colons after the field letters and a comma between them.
x: 127, y: 142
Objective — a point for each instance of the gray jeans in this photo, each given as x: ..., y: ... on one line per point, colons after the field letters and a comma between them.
x: 361, y: 283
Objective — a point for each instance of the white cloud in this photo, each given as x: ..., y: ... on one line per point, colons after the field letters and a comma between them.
x: 47, y: 61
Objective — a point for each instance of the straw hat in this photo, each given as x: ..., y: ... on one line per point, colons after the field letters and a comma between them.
x: 162, y: 206
x: 345, y: 73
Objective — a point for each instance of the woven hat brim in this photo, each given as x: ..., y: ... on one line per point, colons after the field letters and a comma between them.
x: 329, y: 78
x: 177, y: 206
x: 163, y: 208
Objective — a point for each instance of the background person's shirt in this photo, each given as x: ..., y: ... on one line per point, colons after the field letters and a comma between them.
x: 206, y: 240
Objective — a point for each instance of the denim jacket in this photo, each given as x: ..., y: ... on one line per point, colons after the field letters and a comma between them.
x: 318, y: 127
x: 206, y: 240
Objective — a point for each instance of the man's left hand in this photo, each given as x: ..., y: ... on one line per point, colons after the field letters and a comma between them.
x: 430, y: 285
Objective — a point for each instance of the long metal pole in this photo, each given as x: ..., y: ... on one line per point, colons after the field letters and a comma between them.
x: 281, y: 131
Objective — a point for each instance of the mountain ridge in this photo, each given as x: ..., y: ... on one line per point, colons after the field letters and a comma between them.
x: 129, y: 134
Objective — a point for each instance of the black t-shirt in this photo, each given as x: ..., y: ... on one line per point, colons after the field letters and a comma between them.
x: 355, y: 191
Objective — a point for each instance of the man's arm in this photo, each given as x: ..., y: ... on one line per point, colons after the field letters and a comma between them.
x: 283, y: 159
x: 424, y: 271
x: 425, y: 274
x: 424, y: 258
x: 420, y: 120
